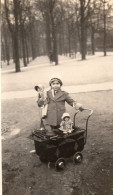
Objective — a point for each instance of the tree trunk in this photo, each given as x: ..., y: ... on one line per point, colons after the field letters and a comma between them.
x: 104, y: 31
x: 48, y: 34
x: 27, y: 51
x: 75, y: 43
x: 3, y: 54
x: 32, y: 39
x: 16, y: 45
x: 63, y: 41
x: 60, y: 43
x: 16, y: 54
x: 13, y: 48
x: 23, y: 45
x: 92, y: 41
x: 55, y: 48
x: 78, y: 34
x: 7, y: 51
x: 5, y: 36
x: 32, y: 49
x: 83, y: 38
x: 54, y: 40
x: 6, y: 46
x: 69, y: 45
x: 22, y: 34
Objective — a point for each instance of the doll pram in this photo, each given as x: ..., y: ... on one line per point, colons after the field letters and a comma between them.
x: 55, y: 149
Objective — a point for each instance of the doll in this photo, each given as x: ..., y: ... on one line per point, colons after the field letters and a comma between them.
x: 42, y: 95
x: 66, y: 124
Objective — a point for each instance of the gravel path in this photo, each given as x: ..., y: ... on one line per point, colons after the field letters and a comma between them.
x: 70, y: 89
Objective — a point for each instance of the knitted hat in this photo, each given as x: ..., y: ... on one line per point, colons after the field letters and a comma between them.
x: 55, y: 79
x: 65, y: 115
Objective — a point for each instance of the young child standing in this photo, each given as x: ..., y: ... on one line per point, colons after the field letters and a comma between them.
x: 56, y: 104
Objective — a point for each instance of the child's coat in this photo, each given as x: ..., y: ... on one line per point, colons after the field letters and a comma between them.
x: 56, y: 106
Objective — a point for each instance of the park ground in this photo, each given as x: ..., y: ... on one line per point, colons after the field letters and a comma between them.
x: 22, y: 171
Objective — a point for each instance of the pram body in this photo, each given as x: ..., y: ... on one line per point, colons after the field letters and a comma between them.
x: 55, y: 149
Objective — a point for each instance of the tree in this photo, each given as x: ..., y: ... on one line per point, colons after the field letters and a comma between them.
x: 22, y: 19
x: 47, y: 9
x: 84, y: 14
x: 14, y: 28
x: 4, y: 39
x: 104, y: 8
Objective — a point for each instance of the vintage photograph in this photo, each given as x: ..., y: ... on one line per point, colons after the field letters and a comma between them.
x: 56, y: 97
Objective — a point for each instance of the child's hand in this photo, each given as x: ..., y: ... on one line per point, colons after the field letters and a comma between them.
x: 79, y: 107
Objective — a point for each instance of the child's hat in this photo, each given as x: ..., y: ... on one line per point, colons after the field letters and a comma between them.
x: 55, y: 79
x: 65, y: 115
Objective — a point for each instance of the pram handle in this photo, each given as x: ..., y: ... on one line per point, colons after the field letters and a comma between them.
x: 91, y: 112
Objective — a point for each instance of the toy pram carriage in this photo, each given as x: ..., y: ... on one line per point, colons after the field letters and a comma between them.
x: 55, y: 149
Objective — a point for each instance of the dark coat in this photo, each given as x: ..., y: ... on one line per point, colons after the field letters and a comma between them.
x: 56, y: 107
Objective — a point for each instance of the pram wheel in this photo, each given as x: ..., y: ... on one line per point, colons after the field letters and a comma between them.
x: 77, y: 158
x: 60, y: 164
x: 50, y: 165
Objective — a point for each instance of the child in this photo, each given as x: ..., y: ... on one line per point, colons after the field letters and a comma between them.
x: 56, y: 104
x: 42, y: 95
x: 66, y: 124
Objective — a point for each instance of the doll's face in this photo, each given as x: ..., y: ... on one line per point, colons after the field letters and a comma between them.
x: 40, y: 88
x: 66, y: 119
x: 55, y: 85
